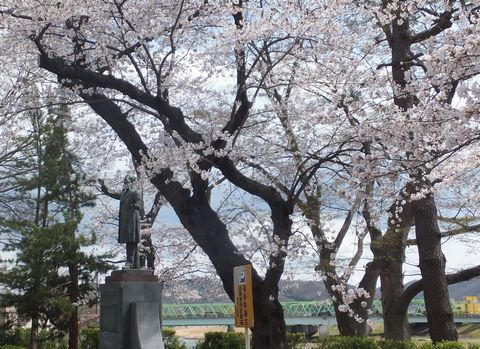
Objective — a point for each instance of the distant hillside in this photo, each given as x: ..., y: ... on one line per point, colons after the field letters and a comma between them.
x: 207, y: 290
x: 467, y: 288
x: 458, y: 291
x: 302, y: 291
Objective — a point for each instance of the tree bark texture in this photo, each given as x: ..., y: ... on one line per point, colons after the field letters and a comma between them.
x: 390, y: 260
x: 432, y: 266
x: 73, y: 290
x: 369, y: 284
x: 395, y: 322
x: 389, y: 255
x: 389, y: 250
x: 33, y: 342
x: 211, y: 234
x: 432, y: 262
x: 347, y: 324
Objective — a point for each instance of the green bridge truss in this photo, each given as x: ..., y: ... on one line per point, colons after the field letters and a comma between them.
x: 291, y: 309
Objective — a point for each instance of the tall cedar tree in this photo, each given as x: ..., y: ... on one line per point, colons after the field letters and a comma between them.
x: 41, y: 288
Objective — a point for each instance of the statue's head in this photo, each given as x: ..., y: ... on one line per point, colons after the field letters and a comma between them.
x: 129, y: 182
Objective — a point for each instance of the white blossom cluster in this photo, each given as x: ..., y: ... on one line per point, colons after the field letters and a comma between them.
x: 323, y: 128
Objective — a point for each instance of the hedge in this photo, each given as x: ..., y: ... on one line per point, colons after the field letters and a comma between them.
x: 370, y: 343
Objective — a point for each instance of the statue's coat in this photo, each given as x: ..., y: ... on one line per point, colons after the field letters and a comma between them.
x: 129, y: 226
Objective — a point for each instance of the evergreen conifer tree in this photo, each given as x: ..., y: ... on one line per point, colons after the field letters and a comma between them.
x: 52, y: 275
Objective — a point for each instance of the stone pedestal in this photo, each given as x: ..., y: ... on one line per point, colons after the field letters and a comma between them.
x: 130, y: 311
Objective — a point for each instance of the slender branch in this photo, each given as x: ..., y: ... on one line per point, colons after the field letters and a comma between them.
x: 356, y: 258
x: 347, y: 222
x: 267, y: 174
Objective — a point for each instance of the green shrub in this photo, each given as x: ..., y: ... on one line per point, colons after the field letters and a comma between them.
x: 370, y: 343
x: 296, y: 340
x: 18, y: 337
x: 222, y: 340
x: 89, y: 338
x: 23, y: 337
x: 48, y: 339
x: 52, y: 344
x: 449, y: 345
x: 170, y: 340
x: 348, y: 343
x: 396, y: 344
x: 7, y: 333
x: 13, y: 336
x: 473, y: 346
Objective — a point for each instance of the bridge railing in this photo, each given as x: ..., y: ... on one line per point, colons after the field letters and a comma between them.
x: 322, y: 308
x: 226, y: 310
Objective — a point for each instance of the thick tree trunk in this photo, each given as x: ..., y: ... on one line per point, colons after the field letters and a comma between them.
x: 389, y: 256
x: 389, y: 252
x: 211, y: 234
x: 369, y: 284
x: 346, y: 323
x: 33, y: 343
x: 432, y: 266
x: 269, y: 330
x: 353, y: 323
x: 73, y: 330
x: 395, y: 323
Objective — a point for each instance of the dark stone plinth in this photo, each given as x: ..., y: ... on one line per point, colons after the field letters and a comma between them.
x: 127, y: 297
x: 133, y: 275
x: 145, y: 326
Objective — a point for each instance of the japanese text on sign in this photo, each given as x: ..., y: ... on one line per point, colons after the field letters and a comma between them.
x: 242, y: 278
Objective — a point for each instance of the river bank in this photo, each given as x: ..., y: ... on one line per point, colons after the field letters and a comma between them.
x: 191, y: 335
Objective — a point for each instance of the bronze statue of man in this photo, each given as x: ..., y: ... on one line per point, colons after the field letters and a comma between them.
x: 129, y: 226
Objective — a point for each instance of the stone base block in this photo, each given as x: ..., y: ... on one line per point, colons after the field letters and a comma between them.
x: 128, y: 297
x: 145, y: 325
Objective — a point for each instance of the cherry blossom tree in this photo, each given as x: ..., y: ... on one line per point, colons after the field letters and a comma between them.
x: 415, y: 142
x: 297, y: 104
x: 88, y: 49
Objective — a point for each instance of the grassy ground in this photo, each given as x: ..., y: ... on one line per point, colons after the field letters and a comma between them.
x: 197, y: 332
x: 468, y: 333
